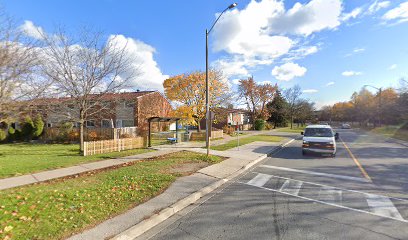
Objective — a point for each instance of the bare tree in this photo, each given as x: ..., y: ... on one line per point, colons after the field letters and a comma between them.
x: 18, y: 68
x: 292, y: 96
x: 84, y: 70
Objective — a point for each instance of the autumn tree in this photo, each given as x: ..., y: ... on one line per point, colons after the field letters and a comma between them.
x: 188, y: 91
x: 84, y: 68
x: 256, y: 96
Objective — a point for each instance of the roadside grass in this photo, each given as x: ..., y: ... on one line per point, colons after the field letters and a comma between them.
x: 293, y: 130
x: 60, y: 208
x: 394, y: 131
x: 246, y: 140
x: 23, y: 158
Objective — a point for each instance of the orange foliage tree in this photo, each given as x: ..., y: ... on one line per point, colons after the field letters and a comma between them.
x: 188, y: 91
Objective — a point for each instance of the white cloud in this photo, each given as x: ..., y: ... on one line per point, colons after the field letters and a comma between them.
x: 310, y: 91
x: 398, y: 14
x: 392, y: 67
x: 314, y: 16
x: 31, y: 30
x: 351, y: 73
x: 377, y: 6
x: 355, y: 51
x: 351, y: 15
x: 329, y: 84
x: 236, y: 81
x: 142, y: 59
x: 255, y: 35
x: 288, y: 71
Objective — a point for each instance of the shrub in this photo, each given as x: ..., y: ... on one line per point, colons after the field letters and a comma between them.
x: 27, y: 128
x: 11, y: 134
x: 93, y: 136
x: 73, y: 136
x: 268, y: 126
x: 228, y: 130
x: 38, y: 126
x: 259, y: 124
x: 125, y: 135
x: 3, y: 135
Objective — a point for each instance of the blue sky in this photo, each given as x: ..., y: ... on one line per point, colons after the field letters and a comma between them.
x: 331, y: 48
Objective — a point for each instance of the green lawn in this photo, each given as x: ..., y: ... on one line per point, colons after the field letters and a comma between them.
x: 57, y: 209
x: 23, y: 158
x: 246, y: 140
x: 392, y: 131
x: 293, y: 130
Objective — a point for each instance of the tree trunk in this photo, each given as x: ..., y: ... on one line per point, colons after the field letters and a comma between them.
x: 291, y: 122
x: 198, y: 126
x: 81, y: 136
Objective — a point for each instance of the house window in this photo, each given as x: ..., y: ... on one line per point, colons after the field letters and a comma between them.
x: 125, y: 123
x: 106, y: 123
x: 49, y: 125
x: 90, y: 123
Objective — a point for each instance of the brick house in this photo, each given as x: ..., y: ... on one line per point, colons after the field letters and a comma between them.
x: 127, y: 109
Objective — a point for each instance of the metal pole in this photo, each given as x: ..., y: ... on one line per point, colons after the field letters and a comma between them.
x: 379, y: 106
x: 207, y: 89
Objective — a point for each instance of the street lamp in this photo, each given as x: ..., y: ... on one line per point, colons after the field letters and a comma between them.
x: 207, y: 89
x: 379, y: 101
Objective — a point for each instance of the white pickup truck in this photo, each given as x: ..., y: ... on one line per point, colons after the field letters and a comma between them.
x: 319, y: 139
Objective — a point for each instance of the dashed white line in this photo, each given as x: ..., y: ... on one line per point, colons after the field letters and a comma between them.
x: 259, y: 180
x: 382, y: 206
x: 291, y: 186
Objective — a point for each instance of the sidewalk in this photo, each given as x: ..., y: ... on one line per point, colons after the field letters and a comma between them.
x: 183, y: 192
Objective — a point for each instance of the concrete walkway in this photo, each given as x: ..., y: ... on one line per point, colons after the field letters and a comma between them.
x: 183, y: 192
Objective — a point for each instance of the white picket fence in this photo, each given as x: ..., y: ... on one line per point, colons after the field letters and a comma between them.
x: 114, y: 145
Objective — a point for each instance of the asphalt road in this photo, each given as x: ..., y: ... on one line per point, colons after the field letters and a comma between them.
x: 362, y: 193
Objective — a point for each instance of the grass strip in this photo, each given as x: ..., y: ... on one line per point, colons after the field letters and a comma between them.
x: 59, y: 208
x: 293, y: 130
x: 246, y: 140
x: 23, y: 158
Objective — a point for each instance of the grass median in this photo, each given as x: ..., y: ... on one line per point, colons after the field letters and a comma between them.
x: 57, y: 209
x: 394, y: 131
x: 291, y: 130
x: 246, y: 140
x: 24, y: 158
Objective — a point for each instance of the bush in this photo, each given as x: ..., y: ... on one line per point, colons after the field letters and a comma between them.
x: 125, y: 135
x: 93, y: 136
x: 228, y: 130
x: 38, y: 126
x: 73, y: 136
x: 268, y: 126
x: 27, y: 128
x: 3, y: 135
x: 259, y: 124
x: 11, y: 134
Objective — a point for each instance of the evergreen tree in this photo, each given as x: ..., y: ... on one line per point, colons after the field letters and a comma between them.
x: 38, y: 126
x: 277, y: 109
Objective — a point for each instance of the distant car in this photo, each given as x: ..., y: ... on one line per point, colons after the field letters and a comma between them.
x: 345, y: 126
x: 319, y: 139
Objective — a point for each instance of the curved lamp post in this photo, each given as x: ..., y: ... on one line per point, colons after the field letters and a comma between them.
x: 207, y: 90
x: 379, y: 102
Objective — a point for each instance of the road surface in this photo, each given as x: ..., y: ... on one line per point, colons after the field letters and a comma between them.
x: 362, y: 193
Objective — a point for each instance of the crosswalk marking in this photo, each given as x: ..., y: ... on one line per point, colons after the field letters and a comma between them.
x: 291, y: 187
x: 378, y: 205
x: 330, y: 194
x: 259, y: 180
x: 382, y: 206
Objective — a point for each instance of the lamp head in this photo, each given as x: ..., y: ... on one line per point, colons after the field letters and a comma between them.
x: 232, y: 5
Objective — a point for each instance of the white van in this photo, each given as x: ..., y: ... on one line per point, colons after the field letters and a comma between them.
x: 319, y: 139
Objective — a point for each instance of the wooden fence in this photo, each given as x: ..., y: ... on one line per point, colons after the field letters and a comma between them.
x: 200, y: 136
x: 114, y: 145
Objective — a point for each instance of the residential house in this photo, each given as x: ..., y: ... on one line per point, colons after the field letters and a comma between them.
x: 230, y: 116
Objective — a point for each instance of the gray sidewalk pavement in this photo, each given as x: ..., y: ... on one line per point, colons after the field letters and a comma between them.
x: 183, y: 192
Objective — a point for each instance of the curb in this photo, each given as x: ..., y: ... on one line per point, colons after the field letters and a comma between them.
x: 145, y: 225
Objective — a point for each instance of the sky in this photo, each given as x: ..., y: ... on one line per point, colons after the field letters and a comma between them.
x: 331, y: 48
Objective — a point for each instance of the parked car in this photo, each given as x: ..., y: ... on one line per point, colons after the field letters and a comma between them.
x: 319, y: 139
x: 345, y: 126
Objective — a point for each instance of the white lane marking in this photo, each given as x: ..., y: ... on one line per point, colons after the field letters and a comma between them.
x: 330, y: 194
x: 382, y: 206
x: 318, y: 173
x: 259, y: 180
x: 287, y: 143
x: 291, y: 186
x: 337, y: 205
